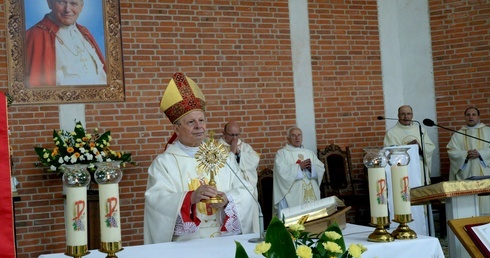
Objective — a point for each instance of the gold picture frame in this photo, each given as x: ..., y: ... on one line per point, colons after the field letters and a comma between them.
x: 19, y: 87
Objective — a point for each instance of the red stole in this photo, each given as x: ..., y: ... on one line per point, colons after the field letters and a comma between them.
x: 7, y: 237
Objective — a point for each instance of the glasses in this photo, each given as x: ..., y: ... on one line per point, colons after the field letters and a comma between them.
x: 232, y: 134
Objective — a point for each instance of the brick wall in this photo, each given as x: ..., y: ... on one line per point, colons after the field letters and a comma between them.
x: 461, y: 51
x: 239, y: 54
x: 346, y: 65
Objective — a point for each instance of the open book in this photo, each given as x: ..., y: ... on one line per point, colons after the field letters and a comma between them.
x: 315, y: 210
x: 480, y: 234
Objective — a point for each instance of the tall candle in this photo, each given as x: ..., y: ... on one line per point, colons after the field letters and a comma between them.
x: 401, y: 190
x: 75, y: 216
x: 378, y: 199
x: 110, y: 222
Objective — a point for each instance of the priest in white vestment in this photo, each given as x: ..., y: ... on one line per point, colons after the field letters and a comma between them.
x: 469, y: 156
x: 405, y: 132
x: 297, y: 173
x: 246, y: 157
x: 176, y: 186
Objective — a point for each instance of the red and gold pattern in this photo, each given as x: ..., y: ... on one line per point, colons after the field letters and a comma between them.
x: 181, y: 96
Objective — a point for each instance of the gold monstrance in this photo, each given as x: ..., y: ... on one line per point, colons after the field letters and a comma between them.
x: 211, y: 157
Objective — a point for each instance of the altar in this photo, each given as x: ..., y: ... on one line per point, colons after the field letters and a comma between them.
x: 423, y: 246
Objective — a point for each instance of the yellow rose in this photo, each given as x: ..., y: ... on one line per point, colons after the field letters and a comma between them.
x: 332, y: 235
x: 261, y: 248
x: 356, y: 250
x: 332, y: 247
x: 304, y: 251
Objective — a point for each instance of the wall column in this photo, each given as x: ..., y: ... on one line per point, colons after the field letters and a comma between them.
x: 406, y: 58
x: 302, y: 75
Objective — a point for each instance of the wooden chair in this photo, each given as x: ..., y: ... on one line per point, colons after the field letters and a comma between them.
x: 338, y: 180
x: 264, y: 187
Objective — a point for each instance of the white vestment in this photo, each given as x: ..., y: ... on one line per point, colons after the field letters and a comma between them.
x: 170, y: 178
x: 461, y: 168
x: 403, y: 134
x: 249, y: 161
x: 77, y: 62
x: 293, y: 187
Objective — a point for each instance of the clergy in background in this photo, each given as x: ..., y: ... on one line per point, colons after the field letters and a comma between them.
x: 405, y: 132
x: 174, y: 210
x: 246, y: 157
x: 469, y: 156
x: 297, y: 175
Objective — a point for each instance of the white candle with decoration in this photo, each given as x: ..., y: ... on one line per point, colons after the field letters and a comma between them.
x: 398, y: 158
x: 378, y: 198
x: 401, y: 189
x: 110, y: 222
x: 108, y: 175
x: 375, y: 161
x: 75, y: 180
x: 76, y: 216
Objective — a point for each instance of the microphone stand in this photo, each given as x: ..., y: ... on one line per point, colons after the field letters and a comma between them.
x: 423, y: 152
x: 431, y: 123
x: 261, y: 215
x: 428, y: 206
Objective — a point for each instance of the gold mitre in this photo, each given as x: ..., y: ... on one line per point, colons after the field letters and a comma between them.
x: 181, y: 97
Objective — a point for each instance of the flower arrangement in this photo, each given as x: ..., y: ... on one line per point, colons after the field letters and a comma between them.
x: 295, y: 242
x: 79, y: 147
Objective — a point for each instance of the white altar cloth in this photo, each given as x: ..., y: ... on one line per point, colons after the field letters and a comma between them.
x: 224, y: 247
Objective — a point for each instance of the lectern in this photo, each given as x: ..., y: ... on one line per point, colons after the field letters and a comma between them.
x: 461, y: 199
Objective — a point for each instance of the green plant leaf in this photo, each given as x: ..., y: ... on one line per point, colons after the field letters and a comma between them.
x: 281, y: 242
x: 240, y: 251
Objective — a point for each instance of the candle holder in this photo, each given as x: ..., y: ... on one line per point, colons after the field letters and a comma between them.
x: 76, y: 251
x: 380, y: 234
x: 375, y: 160
x: 398, y: 158
x: 110, y: 248
x: 403, y: 231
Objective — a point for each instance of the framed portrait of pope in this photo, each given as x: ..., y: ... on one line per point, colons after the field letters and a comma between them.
x: 64, y: 51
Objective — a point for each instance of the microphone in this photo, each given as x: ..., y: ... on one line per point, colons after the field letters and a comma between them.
x: 386, y: 118
x: 429, y: 122
x: 261, y: 216
x: 396, y: 119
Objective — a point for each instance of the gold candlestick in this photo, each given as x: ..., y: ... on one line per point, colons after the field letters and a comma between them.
x: 380, y: 234
x: 403, y: 231
x: 211, y: 157
x: 110, y: 248
x: 375, y: 161
x: 76, y: 251
x: 399, y: 159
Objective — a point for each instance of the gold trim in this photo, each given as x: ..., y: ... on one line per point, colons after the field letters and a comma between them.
x: 380, y: 221
x: 76, y: 250
x: 106, y: 247
x: 23, y: 94
x: 403, y: 218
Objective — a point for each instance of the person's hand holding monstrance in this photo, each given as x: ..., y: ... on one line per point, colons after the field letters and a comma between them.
x: 211, y: 157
